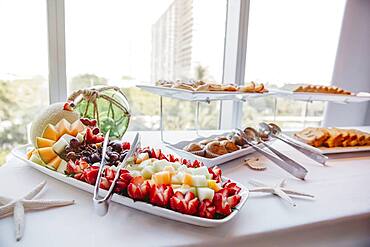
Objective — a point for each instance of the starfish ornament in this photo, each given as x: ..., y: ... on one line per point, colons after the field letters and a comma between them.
x: 17, y: 207
x: 279, y: 190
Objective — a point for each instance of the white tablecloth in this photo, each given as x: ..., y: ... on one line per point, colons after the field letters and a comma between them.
x: 340, y: 215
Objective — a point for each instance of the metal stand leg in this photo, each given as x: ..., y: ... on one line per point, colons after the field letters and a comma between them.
x: 275, y: 108
x: 305, y: 114
x: 197, y: 119
x: 161, y: 117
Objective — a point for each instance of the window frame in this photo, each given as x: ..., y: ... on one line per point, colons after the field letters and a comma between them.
x: 237, y: 13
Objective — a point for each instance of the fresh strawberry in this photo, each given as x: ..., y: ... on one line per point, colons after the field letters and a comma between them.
x: 91, y: 174
x: 82, y: 164
x: 153, y: 154
x: 109, y: 173
x: 105, y: 184
x: 90, y: 138
x: 224, y: 203
x: 125, y: 145
x: 123, y: 181
x: 88, y: 122
x: 186, y: 204
x: 160, y: 195
x: 161, y: 156
x: 68, y: 106
x: 196, y: 164
x: 138, y: 189
x: 216, y: 173
x: 72, y: 168
x: 232, y: 188
x: 185, y: 162
x: 207, y: 209
x: 172, y: 158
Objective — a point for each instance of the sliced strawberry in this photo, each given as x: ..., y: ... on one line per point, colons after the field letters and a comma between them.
x: 125, y: 145
x: 91, y: 174
x: 186, y: 204
x: 171, y: 158
x: 82, y: 164
x: 232, y: 188
x: 153, y: 154
x: 123, y: 181
x: 105, y: 184
x: 216, y: 173
x: 196, y: 164
x: 161, y: 156
x: 109, y: 173
x: 90, y: 138
x: 138, y: 189
x: 68, y: 106
x: 224, y: 203
x: 207, y: 209
x: 88, y: 122
x: 72, y: 168
x: 185, y: 162
x: 160, y: 195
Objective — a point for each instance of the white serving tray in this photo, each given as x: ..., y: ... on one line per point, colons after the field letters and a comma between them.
x: 178, y: 148
x: 338, y: 150
x: 338, y: 98
x: 20, y: 153
x: 184, y: 94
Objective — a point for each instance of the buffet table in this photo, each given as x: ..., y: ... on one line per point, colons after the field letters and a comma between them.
x: 340, y: 214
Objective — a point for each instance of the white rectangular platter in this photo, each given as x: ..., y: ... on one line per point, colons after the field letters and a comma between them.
x: 183, y: 94
x: 178, y: 148
x: 20, y: 153
x: 338, y: 98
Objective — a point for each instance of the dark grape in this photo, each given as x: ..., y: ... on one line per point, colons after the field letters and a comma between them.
x: 74, y: 143
x: 95, y: 158
x: 113, y: 156
x: 116, y: 146
x: 71, y: 156
x: 86, y: 153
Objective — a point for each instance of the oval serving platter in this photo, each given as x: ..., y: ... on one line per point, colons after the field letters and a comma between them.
x: 20, y: 153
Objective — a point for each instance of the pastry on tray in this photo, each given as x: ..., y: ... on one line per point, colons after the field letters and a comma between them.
x: 333, y: 137
x: 215, y: 149
x: 201, y: 86
x: 321, y: 89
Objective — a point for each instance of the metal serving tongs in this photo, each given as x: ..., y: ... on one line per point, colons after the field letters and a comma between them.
x: 101, y: 204
x: 274, y: 131
x: 283, y: 161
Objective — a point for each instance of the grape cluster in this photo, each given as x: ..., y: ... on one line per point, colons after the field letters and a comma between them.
x: 92, y: 153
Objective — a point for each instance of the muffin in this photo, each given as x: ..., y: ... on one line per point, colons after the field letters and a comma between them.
x: 195, y: 148
x: 205, y: 142
x: 238, y: 140
x: 230, y: 146
x: 221, y: 138
x: 215, y: 149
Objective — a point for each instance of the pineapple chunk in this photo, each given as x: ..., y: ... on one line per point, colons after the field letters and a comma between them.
x: 212, y: 184
x: 187, y: 179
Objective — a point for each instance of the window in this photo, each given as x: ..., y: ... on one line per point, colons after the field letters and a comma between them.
x: 125, y: 43
x: 23, y: 69
x: 291, y: 42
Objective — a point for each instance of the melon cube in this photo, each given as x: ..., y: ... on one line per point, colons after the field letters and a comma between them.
x: 60, y: 145
x: 159, y: 165
x: 47, y: 154
x: 43, y: 142
x: 199, y: 181
x: 147, y: 172
x: 51, y: 133
x: 177, y: 178
x: 170, y: 169
x: 205, y: 193
x: 80, y: 137
x: 186, y: 188
x: 135, y: 173
x: 184, y: 169
x: 187, y: 179
x: 62, y: 166
x: 203, y: 170
x: 163, y: 177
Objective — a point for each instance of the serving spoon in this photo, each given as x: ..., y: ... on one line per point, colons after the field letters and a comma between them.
x: 274, y: 131
x: 252, y: 138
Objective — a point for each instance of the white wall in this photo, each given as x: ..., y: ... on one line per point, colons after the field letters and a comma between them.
x: 352, y: 65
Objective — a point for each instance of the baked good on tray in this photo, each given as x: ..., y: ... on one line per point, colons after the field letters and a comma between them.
x: 321, y: 89
x: 333, y: 137
x: 217, y: 146
x: 201, y: 86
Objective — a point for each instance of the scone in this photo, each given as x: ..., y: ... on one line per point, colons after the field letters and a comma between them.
x: 215, y: 149
x: 195, y: 148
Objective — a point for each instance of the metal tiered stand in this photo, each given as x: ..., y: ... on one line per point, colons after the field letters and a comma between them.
x: 198, y: 97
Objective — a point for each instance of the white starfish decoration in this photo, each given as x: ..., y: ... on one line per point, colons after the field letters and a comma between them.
x: 9, y: 206
x: 279, y: 190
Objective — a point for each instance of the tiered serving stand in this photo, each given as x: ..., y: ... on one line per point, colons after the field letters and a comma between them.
x: 198, y: 97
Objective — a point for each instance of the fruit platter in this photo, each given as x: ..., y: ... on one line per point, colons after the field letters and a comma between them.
x: 151, y: 181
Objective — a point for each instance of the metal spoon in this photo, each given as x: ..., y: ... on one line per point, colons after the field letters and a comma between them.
x: 251, y: 137
x: 274, y: 131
